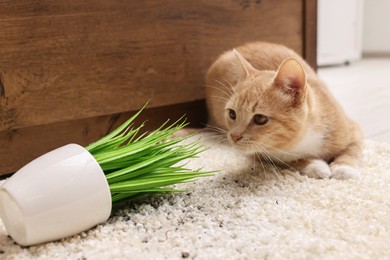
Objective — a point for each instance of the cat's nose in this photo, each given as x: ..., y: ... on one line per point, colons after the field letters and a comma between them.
x: 236, y: 138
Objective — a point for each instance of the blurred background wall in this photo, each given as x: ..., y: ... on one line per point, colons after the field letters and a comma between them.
x: 349, y: 29
x: 376, y: 27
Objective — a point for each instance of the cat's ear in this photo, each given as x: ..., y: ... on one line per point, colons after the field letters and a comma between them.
x: 243, y: 68
x: 291, y: 78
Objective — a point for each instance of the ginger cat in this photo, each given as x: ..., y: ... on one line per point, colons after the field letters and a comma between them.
x: 270, y: 103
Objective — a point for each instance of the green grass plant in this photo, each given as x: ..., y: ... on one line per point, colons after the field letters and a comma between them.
x: 137, y: 164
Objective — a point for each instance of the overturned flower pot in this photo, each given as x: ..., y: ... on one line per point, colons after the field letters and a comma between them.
x: 72, y: 189
x: 59, y: 194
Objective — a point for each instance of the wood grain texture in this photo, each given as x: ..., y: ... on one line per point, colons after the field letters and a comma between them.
x: 20, y: 146
x: 310, y: 32
x: 66, y: 60
x: 69, y: 69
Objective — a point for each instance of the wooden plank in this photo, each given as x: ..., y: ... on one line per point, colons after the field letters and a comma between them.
x: 76, y: 63
x: 231, y: 25
x: 67, y: 60
x: 310, y: 32
x: 20, y: 146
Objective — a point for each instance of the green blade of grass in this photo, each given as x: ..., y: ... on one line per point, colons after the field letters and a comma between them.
x: 132, y: 148
x: 156, y: 156
x: 116, y: 141
x: 167, y: 163
x: 137, y: 164
x: 133, y: 168
x: 116, y: 131
x: 144, y: 184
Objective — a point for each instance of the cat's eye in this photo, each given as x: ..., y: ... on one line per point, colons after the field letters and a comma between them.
x: 260, y: 119
x: 232, y: 114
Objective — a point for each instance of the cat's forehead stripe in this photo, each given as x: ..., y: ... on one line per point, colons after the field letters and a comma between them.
x: 254, y: 108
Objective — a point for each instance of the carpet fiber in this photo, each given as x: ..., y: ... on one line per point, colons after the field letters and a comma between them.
x: 243, y: 212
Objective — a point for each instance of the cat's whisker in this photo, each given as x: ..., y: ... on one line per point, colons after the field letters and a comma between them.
x: 219, y: 141
x: 216, y: 129
x: 259, y: 158
x: 270, y: 162
x: 284, y: 163
x: 231, y: 86
x: 267, y: 157
x: 277, y: 158
x: 261, y: 161
x: 281, y: 151
x: 272, y: 165
x: 219, y: 89
x: 220, y: 98
x: 217, y: 134
x: 254, y: 162
x: 230, y: 90
x: 275, y: 169
x: 219, y: 137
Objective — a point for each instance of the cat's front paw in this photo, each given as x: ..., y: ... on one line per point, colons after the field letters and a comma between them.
x: 318, y: 169
x: 344, y: 172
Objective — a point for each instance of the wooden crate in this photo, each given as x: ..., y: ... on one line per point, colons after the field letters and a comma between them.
x: 72, y: 70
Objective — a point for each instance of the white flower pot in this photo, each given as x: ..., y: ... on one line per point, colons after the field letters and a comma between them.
x: 59, y: 194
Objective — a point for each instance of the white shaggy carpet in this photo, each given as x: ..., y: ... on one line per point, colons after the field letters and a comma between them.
x: 243, y: 213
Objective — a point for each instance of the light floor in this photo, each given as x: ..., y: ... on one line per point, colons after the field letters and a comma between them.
x: 363, y: 89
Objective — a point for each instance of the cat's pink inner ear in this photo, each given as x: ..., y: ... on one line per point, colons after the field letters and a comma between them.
x: 245, y: 69
x: 291, y: 76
